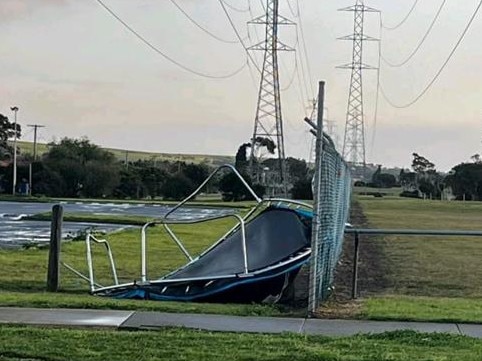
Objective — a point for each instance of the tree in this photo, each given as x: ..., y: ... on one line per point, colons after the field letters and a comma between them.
x: 265, y: 142
x: 177, y: 187
x: 196, y: 173
x: 85, y: 169
x: 428, y: 181
x: 383, y: 180
x: 7, y: 131
x: 466, y: 181
x: 297, y: 169
x: 421, y: 164
x: 232, y: 189
x: 241, y: 159
x: 476, y: 158
x: 302, y: 189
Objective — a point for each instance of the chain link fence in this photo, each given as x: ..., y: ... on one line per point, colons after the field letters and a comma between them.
x: 332, y: 194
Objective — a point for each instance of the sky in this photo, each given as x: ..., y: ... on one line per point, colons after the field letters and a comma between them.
x: 70, y: 66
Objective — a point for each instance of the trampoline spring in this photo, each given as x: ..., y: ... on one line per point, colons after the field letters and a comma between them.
x: 164, y: 290
x: 187, y: 289
x: 208, y: 284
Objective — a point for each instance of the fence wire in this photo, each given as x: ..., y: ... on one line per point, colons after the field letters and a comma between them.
x: 332, y: 193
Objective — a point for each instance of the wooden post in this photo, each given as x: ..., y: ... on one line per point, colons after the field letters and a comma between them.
x: 54, y: 251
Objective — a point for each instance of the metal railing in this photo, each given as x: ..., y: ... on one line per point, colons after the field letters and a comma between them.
x: 88, y: 241
x: 357, y: 232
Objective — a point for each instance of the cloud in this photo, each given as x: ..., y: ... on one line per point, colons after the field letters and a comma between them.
x: 12, y: 9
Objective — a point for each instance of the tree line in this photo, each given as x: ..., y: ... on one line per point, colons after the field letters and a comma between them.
x: 77, y: 168
x: 463, y: 182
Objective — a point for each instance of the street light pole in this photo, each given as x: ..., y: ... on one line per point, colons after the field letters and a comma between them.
x: 14, y: 181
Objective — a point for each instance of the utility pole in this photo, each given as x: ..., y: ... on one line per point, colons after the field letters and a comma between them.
x: 35, y: 128
x: 354, y: 140
x: 269, y: 121
x: 14, y: 180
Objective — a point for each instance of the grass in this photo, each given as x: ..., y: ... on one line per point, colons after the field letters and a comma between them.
x: 23, y: 275
x: 132, y: 156
x: 441, y: 266
x: 392, y: 192
x: 29, y: 343
x: 93, y: 218
x: 409, y: 308
x: 425, y: 278
x: 81, y: 300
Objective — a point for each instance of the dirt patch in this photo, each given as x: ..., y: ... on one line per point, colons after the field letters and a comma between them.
x: 373, y: 268
x: 339, y: 309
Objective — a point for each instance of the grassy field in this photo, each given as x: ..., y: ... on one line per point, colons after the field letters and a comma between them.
x: 132, y: 156
x: 27, y: 343
x: 417, y: 278
x: 393, y: 192
x: 429, y: 266
x: 421, y: 278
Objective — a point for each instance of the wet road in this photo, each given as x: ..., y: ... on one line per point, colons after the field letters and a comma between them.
x: 15, y: 231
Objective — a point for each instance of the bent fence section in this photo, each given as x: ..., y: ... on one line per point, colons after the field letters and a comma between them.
x: 332, y: 194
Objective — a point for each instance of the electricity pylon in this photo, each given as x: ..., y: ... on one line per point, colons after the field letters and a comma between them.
x: 354, y: 140
x: 268, y: 123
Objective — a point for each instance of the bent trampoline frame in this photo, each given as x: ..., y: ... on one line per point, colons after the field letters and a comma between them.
x: 168, y: 220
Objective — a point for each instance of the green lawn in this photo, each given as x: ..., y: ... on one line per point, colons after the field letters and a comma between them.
x: 424, y: 278
x: 28, y: 343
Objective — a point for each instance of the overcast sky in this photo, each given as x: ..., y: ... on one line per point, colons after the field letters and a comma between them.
x: 70, y: 66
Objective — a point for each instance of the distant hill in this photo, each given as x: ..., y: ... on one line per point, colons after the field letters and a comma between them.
x: 134, y: 155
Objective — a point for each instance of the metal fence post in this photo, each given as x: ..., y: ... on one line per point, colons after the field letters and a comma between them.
x: 354, y: 285
x: 54, y: 250
x: 313, y: 296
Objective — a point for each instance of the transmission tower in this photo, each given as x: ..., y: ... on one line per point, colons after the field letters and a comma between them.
x: 329, y: 128
x: 268, y: 123
x: 354, y: 140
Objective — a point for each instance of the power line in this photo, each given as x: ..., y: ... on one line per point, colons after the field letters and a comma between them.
x: 292, y: 10
x: 258, y: 39
x: 304, y: 96
x: 303, y: 41
x: 417, y: 48
x: 404, y: 19
x: 292, y: 78
x: 161, y: 53
x: 377, y: 96
x: 238, y: 35
x: 262, y: 5
x: 193, y: 21
x: 442, y: 68
x: 235, y: 8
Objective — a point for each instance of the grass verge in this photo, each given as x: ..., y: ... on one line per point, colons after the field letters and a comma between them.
x: 432, y: 309
x: 21, y: 343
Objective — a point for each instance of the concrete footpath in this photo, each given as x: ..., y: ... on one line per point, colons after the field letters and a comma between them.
x: 133, y: 320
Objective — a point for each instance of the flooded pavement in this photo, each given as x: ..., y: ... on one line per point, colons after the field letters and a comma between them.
x: 15, y: 231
